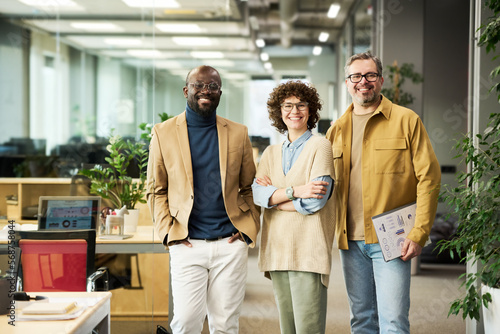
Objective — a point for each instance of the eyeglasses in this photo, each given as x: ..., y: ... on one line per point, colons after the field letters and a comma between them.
x: 213, y: 87
x: 289, y: 106
x: 370, y: 77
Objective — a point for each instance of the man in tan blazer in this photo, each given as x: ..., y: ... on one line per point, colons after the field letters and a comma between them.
x: 200, y: 173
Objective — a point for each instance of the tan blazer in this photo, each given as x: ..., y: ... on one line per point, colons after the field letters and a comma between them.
x: 170, y: 191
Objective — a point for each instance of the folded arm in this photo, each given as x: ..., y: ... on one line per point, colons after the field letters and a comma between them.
x: 310, y: 197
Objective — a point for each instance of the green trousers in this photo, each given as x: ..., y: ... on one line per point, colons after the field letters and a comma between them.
x: 301, y: 300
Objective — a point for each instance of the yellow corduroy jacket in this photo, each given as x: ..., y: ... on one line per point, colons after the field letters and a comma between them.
x: 170, y: 190
x: 398, y: 167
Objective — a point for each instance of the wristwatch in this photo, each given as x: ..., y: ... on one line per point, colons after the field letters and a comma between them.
x: 289, y: 193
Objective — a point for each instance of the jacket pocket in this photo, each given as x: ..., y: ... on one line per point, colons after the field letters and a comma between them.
x: 243, y: 205
x: 338, y: 165
x: 389, y: 155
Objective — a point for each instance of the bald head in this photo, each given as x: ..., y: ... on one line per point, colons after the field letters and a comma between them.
x: 205, y: 70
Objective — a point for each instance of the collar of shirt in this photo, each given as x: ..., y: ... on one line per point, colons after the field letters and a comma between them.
x: 290, y: 152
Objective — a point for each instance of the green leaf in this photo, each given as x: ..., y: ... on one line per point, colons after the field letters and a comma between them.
x: 113, y: 183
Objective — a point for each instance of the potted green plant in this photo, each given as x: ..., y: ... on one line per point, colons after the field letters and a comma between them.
x: 112, y: 182
x: 476, y: 203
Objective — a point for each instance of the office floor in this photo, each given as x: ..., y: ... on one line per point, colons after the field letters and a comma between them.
x: 431, y: 293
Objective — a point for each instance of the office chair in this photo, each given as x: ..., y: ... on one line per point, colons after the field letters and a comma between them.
x: 59, y: 260
x: 9, y: 264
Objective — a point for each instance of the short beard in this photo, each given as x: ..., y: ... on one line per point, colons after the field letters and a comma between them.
x: 367, y: 101
x: 205, y: 112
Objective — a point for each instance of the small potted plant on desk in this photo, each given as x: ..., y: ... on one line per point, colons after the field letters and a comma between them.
x: 114, y: 183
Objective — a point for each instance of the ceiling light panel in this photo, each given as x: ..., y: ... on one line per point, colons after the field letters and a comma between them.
x: 203, y: 27
x: 148, y: 54
x: 192, y: 41
x: 53, y: 5
x: 106, y: 42
x: 323, y: 37
x: 260, y: 43
x: 152, y: 3
x: 220, y: 63
x: 333, y: 11
x: 49, y: 3
x: 179, y: 27
x: 96, y: 26
x: 118, y: 41
x: 144, y: 27
x: 207, y: 54
x: 102, y: 42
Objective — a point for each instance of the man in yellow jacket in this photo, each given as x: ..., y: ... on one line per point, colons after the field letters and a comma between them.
x: 383, y: 159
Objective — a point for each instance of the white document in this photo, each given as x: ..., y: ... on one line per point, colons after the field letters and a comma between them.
x: 81, y: 302
x: 392, y: 227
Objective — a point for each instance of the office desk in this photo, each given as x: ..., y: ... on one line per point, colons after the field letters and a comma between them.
x: 152, y: 279
x: 143, y: 241
x: 94, y: 316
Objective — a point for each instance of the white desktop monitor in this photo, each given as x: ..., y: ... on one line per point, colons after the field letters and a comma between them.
x: 68, y: 212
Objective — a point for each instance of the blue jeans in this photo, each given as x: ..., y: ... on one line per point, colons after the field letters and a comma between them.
x: 378, y: 291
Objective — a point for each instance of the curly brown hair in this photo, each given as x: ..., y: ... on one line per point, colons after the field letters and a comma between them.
x: 304, y: 92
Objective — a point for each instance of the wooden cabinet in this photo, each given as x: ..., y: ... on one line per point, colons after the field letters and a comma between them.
x: 146, y: 298
x: 28, y: 190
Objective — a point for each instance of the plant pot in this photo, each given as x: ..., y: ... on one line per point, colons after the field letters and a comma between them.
x: 131, y: 221
x: 491, y: 315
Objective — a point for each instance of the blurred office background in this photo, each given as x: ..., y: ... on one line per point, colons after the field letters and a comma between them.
x: 72, y: 70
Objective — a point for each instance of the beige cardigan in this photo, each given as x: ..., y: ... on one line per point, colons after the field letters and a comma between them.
x: 290, y: 240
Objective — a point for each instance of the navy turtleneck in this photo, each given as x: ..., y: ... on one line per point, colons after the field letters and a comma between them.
x: 208, y: 219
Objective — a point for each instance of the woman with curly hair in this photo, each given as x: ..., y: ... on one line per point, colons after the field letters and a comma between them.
x: 293, y: 184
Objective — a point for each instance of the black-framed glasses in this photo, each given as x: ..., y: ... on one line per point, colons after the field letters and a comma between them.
x: 213, y: 87
x: 370, y: 77
x: 288, y: 106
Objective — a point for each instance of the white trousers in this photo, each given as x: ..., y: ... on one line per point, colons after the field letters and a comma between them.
x: 208, y: 278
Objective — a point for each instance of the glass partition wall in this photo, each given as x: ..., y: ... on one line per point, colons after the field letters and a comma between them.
x: 75, y: 76
x: 76, y: 72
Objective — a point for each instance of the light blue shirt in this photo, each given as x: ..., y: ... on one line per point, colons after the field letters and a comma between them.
x: 290, y: 152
